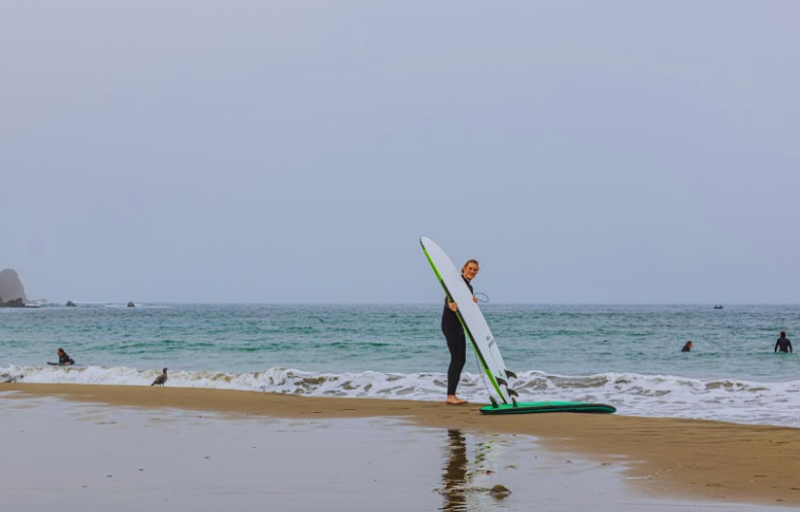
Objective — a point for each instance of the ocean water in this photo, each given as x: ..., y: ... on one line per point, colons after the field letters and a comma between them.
x: 626, y: 356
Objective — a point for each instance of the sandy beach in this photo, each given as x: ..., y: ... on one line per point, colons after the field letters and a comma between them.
x: 668, y: 458
x: 250, y: 250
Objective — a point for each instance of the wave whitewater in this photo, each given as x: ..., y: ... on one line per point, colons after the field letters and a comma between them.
x: 773, y: 403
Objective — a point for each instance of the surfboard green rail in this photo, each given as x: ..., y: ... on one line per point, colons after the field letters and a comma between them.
x: 539, y: 407
x: 485, y: 358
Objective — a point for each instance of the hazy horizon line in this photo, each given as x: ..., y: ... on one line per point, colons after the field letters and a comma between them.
x: 512, y: 303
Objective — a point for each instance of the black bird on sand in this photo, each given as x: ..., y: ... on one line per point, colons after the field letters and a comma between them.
x: 161, y: 379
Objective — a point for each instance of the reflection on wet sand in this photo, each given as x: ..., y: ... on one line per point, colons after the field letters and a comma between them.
x: 454, y: 477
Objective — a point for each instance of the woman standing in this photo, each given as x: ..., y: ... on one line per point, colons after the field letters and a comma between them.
x: 456, y: 339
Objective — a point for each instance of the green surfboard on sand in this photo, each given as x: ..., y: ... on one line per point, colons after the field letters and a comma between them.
x: 537, y: 407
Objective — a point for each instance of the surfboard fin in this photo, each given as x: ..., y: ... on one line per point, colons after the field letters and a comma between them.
x: 494, y: 402
x: 501, y: 381
x: 510, y: 374
x: 514, y: 401
x: 511, y: 392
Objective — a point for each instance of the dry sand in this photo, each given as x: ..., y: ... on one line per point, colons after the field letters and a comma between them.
x: 689, y: 458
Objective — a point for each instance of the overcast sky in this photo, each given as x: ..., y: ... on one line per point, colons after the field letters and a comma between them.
x: 196, y: 151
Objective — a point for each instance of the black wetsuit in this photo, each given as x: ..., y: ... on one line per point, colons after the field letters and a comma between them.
x: 686, y: 348
x: 784, y: 344
x: 65, y: 359
x: 457, y: 343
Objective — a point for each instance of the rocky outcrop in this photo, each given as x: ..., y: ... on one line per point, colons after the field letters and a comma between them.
x: 71, y: 304
x: 11, y: 288
x: 12, y: 293
x: 131, y: 305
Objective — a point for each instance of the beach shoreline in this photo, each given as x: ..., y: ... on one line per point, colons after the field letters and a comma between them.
x: 676, y: 458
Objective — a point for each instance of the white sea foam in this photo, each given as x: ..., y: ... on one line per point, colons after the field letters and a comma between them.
x: 775, y: 403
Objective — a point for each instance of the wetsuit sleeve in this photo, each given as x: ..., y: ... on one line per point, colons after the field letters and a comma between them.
x: 790, y: 345
x: 776, y: 345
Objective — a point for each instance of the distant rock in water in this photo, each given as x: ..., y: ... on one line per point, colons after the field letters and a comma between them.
x: 11, y: 290
x: 131, y: 305
x: 71, y: 304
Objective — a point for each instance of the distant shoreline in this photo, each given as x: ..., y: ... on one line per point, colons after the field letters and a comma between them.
x: 709, y: 305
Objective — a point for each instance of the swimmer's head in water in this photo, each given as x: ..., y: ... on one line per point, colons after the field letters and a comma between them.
x: 470, y: 269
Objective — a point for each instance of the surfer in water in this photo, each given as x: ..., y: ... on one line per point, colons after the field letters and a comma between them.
x: 63, y: 358
x: 687, y: 347
x: 456, y: 339
x: 783, y: 343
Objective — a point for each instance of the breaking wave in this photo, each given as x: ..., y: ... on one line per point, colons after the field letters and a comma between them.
x: 740, y: 401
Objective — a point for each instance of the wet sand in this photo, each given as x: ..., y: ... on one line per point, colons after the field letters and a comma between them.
x: 680, y: 459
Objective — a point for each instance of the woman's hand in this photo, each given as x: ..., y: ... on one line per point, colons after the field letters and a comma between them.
x: 453, y: 306
x: 475, y: 299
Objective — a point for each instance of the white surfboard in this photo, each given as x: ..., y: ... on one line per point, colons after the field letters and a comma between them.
x: 471, y: 317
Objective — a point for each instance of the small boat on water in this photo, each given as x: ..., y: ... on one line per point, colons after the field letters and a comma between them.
x: 718, y: 306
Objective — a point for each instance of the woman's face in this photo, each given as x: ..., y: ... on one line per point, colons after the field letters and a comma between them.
x: 470, y: 271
